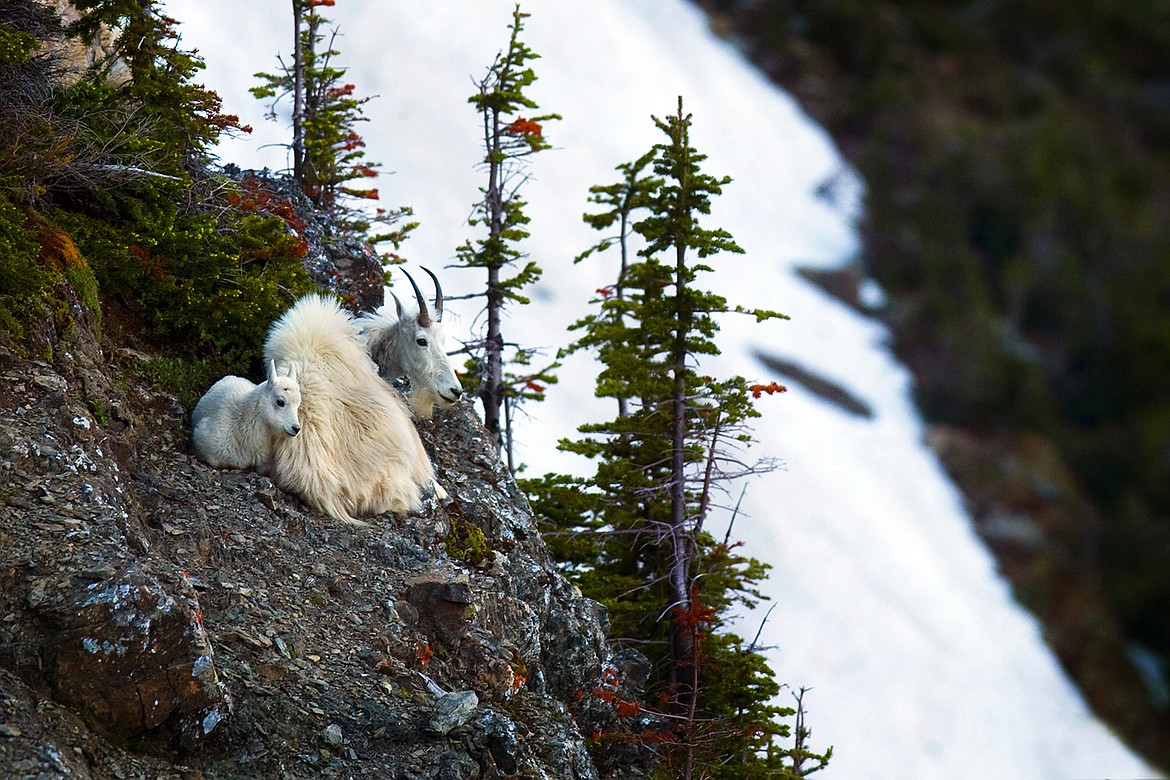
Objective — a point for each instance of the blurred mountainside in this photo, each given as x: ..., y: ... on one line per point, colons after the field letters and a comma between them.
x: 1017, y: 166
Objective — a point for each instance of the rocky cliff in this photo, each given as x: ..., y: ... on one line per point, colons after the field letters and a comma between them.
x: 159, y: 618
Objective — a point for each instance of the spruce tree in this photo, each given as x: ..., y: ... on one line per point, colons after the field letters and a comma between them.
x: 623, y: 198
x: 635, y: 533
x: 509, y: 139
x: 328, y: 154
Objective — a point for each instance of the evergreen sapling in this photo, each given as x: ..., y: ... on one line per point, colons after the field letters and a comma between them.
x: 635, y: 534
x: 509, y: 139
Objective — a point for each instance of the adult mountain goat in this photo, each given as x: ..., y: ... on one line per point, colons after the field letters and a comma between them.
x: 236, y: 424
x: 413, y: 346
x: 358, y: 452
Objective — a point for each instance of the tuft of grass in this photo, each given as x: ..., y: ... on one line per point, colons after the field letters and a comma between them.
x: 186, y: 379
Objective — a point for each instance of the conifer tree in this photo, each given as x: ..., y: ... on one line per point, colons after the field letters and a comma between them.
x: 623, y: 198
x: 178, y: 120
x: 327, y: 151
x: 122, y: 169
x: 509, y: 139
x: 664, y: 465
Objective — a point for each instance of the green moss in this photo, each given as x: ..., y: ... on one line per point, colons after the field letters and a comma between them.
x: 10, y: 324
x: 16, y: 46
x: 83, y: 281
x: 101, y: 411
x: 39, y: 264
x: 466, y: 543
x: 22, y: 276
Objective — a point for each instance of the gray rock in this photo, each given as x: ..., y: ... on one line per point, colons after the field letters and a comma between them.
x: 457, y: 765
x: 332, y: 735
x: 452, y: 710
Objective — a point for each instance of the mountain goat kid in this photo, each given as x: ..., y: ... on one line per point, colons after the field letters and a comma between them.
x: 359, y: 453
x: 236, y: 424
x: 413, y: 346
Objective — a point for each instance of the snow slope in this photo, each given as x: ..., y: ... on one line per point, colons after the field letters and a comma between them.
x: 889, y: 608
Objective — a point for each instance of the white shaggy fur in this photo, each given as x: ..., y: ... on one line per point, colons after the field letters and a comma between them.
x: 236, y: 424
x: 358, y: 453
x: 414, y: 346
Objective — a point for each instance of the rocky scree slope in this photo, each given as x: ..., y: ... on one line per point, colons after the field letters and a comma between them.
x: 159, y: 618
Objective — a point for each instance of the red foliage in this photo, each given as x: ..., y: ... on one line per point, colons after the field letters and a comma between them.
x: 253, y: 196
x: 610, y: 690
x: 225, y: 120
x: 423, y: 653
x: 696, y: 616
x: 694, y: 620
x: 774, y: 387
x: 604, y: 292
x: 315, y: 3
x: 626, y: 709
x: 155, y: 265
x: 534, y: 387
x: 523, y: 126
x: 518, y: 681
x: 657, y: 737
x: 336, y: 92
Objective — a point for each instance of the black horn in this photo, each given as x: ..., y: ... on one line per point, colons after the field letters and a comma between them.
x: 438, y: 294
x: 424, y: 316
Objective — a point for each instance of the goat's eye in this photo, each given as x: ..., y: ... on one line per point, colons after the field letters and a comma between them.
x: 421, y: 342
x: 280, y: 402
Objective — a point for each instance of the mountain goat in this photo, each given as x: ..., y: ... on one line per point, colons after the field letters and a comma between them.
x: 358, y: 452
x: 236, y: 424
x: 413, y: 346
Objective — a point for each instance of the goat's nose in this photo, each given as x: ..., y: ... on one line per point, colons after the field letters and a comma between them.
x: 295, y: 430
x: 457, y: 392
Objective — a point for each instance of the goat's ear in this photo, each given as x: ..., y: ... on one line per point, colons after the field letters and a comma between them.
x: 272, y: 369
x: 397, y: 304
x: 292, y: 371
